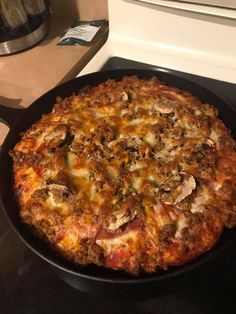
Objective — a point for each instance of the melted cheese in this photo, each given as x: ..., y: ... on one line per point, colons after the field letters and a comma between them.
x: 150, y: 138
x: 181, y: 224
x: 81, y: 172
x: 137, y: 183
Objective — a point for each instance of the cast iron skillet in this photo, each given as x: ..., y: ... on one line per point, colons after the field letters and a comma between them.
x: 94, y: 279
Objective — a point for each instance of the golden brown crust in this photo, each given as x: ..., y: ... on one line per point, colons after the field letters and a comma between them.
x: 131, y: 175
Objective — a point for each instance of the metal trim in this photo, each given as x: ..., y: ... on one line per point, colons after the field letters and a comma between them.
x: 24, y: 42
x: 228, y: 4
x: 192, y: 7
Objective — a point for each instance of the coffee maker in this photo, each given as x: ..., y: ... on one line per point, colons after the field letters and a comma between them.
x: 23, y: 23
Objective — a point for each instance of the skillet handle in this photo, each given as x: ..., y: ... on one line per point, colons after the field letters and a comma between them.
x: 9, y: 116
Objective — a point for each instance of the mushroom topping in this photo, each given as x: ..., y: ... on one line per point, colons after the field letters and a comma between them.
x: 40, y: 194
x: 59, y: 192
x: 126, y: 212
x: 178, y: 188
x: 120, y: 218
x: 124, y: 97
x: 134, y: 141
x: 56, y: 136
x: 164, y: 106
x: 189, y: 184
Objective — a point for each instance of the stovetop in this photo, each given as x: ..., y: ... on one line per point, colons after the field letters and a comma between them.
x: 29, y: 285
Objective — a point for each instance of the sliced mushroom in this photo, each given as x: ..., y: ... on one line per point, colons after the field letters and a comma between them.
x: 121, y: 218
x: 184, y: 188
x: 134, y: 141
x: 214, y: 137
x: 40, y: 194
x: 56, y: 135
x: 59, y: 192
x: 164, y: 107
x: 124, y: 96
x: 125, y: 212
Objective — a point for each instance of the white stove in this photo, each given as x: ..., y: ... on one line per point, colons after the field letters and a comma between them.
x: 193, y: 38
x: 198, y: 47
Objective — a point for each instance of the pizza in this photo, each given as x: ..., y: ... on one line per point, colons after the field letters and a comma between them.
x: 130, y: 174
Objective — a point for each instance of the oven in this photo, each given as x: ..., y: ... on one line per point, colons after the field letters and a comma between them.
x: 198, y: 45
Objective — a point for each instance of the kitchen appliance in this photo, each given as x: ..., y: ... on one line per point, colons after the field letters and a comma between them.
x: 170, y: 40
x: 219, y: 8
x: 181, y: 36
x: 23, y: 23
x: 217, y: 3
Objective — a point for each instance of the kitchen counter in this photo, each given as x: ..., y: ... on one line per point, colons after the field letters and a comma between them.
x: 27, y: 75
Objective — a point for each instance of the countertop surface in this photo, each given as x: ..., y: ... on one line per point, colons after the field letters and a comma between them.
x: 27, y: 75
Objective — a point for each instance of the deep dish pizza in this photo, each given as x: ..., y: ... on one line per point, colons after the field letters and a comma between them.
x: 131, y: 175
